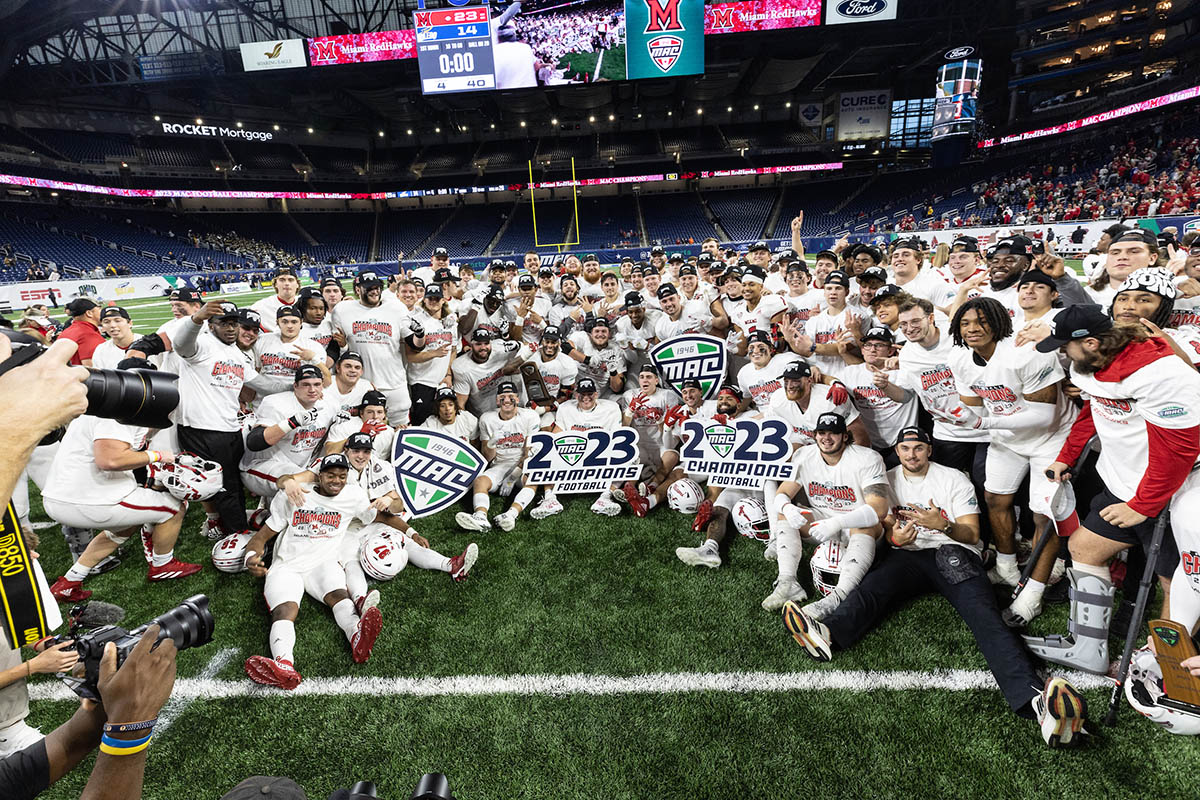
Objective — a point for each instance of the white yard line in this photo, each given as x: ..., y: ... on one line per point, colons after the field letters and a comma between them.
x: 179, y: 702
x: 206, y: 688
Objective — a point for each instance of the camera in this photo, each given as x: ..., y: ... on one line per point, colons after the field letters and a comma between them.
x: 131, y: 397
x: 189, y: 624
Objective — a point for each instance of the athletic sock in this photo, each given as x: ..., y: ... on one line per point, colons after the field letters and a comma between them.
x: 789, y: 550
x: 162, y: 559
x: 283, y: 640
x: 356, y: 580
x: 426, y: 558
x: 1006, y: 560
x: 522, y: 500
x: 344, y: 616
x: 1067, y: 526
x: 710, y: 546
x: 1097, y: 571
x: 548, y: 496
x: 77, y: 572
x: 860, y: 552
x: 481, y: 502
x: 1033, y: 591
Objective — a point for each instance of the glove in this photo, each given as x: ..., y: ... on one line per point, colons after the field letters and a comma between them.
x: 721, y: 418
x: 566, y: 347
x: 838, y: 394
x: 637, y: 403
x: 639, y: 344
x: 676, y: 415
x: 824, y: 530
x: 373, y: 428
x: 303, y: 419
x: 797, y: 517
x: 614, y: 368
x: 960, y: 415
x: 418, y: 330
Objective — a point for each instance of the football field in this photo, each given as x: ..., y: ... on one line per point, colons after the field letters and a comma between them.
x: 582, y: 660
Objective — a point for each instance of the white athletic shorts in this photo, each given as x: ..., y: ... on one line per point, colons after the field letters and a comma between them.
x: 139, y: 507
x: 286, y: 585
x: 497, y: 473
x: 259, y: 479
x: 1006, y: 469
x: 399, y: 403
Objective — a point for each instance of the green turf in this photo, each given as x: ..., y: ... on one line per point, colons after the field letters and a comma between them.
x: 612, y: 68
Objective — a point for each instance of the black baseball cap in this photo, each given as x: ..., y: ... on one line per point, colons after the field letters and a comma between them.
x: 879, y: 334
x: 826, y: 254
x: 665, y: 290
x: 704, y: 258
x: 552, y: 332
x: 676, y: 257
x: 786, y: 254
x: 884, y: 292
x: 359, y: 441
x: 873, y: 274
x: 445, y: 393
x: 914, y: 434
x: 1137, y: 235
x: 285, y: 270
x: 1075, y: 322
x: 872, y: 251
x: 648, y: 367
x: 585, y: 386
x: 331, y: 282
x: 228, y: 310
x: 753, y: 274
x: 434, y: 290
x: 444, y: 275
x: 590, y: 257
x: 349, y: 355
x: 186, y: 294
x: 909, y: 244
x: 633, y: 299
x: 759, y: 337
x: 657, y: 251
x: 759, y: 245
x: 797, y: 370
x: 526, y: 281
x: 481, y: 335
x: 1016, y: 245
x: 831, y: 422
x: 545, y: 272
x: 732, y: 389
x: 690, y: 383
x: 965, y: 244
x: 368, y: 277
x: 687, y: 269
x: 595, y: 322
x: 570, y: 278
x: 506, y: 387
x: 288, y: 311
x: 649, y: 269
x: 441, y: 252
x: 308, y: 371
x: 797, y: 266
x: 334, y: 461
x: 249, y: 318
x: 114, y: 311
x: 1037, y: 276
x: 373, y: 397
x: 80, y: 306
x: 839, y: 278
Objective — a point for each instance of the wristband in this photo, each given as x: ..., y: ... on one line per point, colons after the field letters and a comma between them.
x: 154, y: 456
x: 117, y: 747
x: 293, y: 423
x: 129, y: 727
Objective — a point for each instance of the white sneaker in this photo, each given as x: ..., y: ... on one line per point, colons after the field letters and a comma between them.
x: 698, y: 557
x: 1061, y: 713
x: 820, y: 609
x: 1009, y: 575
x: 770, y: 554
x: 212, y: 529
x: 473, y: 522
x: 785, y: 590
x: 1022, y: 610
x: 18, y: 736
x: 546, y: 508
x: 605, y: 507
x: 1057, y: 572
x: 809, y: 633
x: 506, y: 521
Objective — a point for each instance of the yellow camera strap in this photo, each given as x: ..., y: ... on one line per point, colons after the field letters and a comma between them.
x: 24, y: 607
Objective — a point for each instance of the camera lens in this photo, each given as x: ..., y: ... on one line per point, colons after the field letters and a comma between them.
x: 132, y: 397
x: 189, y: 624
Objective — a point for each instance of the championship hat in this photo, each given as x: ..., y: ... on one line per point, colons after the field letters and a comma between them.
x: 1075, y: 322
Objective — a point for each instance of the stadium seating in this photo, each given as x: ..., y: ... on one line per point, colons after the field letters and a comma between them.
x: 742, y: 213
x: 608, y: 222
x: 471, y: 230
x: 88, y: 148
x: 675, y: 217
x: 552, y: 220
x: 401, y: 231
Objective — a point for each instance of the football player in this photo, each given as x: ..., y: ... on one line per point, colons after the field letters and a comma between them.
x: 503, y: 439
x: 558, y: 372
x: 348, y: 386
x: 599, y: 356
x: 450, y: 419
x: 476, y: 377
x: 845, y: 494
x: 307, y: 562
x: 762, y: 377
x: 279, y: 354
x: 286, y: 285
x: 646, y: 408
x: 429, y: 368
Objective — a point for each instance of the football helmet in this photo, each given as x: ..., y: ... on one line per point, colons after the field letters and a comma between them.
x: 382, y: 556
x: 750, y: 518
x: 1143, y: 689
x: 826, y: 566
x: 192, y: 478
x: 685, y: 496
x: 229, y: 554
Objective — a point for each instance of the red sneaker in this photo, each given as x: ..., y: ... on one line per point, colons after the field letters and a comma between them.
x: 172, y: 569
x: 69, y: 591
x: 639, y: 504
x: 703, y: 515
x: 272, y: 672
x: 460, y: 565
x: 363, y: 640
x: 213, y: 529
x: 148, y: 543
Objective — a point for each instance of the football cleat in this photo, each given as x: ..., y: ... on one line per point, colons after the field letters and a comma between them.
x: 473, y: 522
x: 460, y: 565
x: 811, y: 634
x: 622, y: 496
x: 605, y: 507
x: 363, y: 640
x: 703, y: 515
x: 147, y: 537
x: 213, y: 529
x: 785, y: 590
x: 698, y: 557
x: 367, y: 601
x: 770, y: 553
x: 637, y: 502
x: 506, y: 521
x: 171, y: 570
x: 272, y: 672
x: 69, y: 591
x: 546, y: 508
x: 18, y: 736
x: 1061, y: 712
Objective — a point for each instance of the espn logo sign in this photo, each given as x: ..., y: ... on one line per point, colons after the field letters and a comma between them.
x: 34, y: 295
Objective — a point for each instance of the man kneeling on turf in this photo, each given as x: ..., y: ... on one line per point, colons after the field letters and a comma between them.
x: 934, y: 531
x: 306, y: 560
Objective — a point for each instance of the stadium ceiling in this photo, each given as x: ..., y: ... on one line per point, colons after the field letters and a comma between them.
x: 83, y: 55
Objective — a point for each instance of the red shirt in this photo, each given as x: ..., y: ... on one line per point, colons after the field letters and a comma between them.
x: 86, y: 335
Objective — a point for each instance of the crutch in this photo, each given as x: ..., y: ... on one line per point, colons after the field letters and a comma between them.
x: 1139, y: 611
x: 1048, y: 532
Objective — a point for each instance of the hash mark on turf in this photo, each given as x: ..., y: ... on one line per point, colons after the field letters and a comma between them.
x: 179, y: 702
x: 206, y: 688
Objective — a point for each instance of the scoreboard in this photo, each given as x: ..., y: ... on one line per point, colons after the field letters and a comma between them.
x: 454, y: 49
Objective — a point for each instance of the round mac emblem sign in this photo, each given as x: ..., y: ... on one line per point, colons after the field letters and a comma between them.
x: 958, y: 52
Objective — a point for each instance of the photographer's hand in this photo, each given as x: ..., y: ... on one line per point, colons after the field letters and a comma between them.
x: 58, y: 658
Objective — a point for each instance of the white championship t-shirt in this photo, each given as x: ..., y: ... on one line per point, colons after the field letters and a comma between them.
x: 951, y: 491
x: 508, y: 436
x: 839, y: 488
x: 74, y: 477
x: 310, y: 534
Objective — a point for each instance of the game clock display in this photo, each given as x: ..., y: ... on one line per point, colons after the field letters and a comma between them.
x: 454, y: 49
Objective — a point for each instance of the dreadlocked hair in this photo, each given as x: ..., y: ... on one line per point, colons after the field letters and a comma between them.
x: 994, y: 315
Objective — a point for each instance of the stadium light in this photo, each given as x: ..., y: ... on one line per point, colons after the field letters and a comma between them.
x: 439, y: 130
x: 788, y: 104
x: 381, y: 134
x: 54, y: 194
x: 157, y: 118
x: 310, y: 130
x: 493, y: 126
x: 611, y: 117
x: 276, y: 127
x: 238, y: 124
x: 670, y: 113
x: 591, y: 118
x: 554, y: 121
x: 199, y: 121
x: 756, y: 106
x: 522, y: 123
x: 729, y: 109
x: 409, y: 131
x: 699, y: 111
